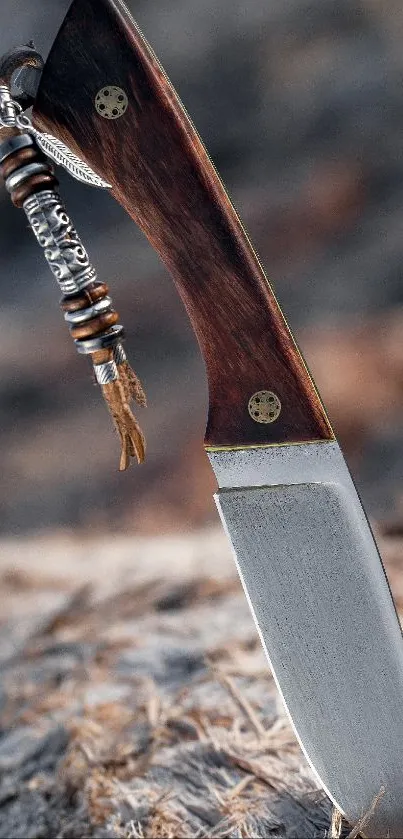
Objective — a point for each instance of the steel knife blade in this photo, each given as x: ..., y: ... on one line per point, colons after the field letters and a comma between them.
x: 323, y: 609
x: 302, y: 543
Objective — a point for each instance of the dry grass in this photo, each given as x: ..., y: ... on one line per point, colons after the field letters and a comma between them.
x: 154, y: 707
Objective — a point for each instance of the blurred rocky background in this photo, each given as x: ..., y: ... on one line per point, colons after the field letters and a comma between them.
x: 301, y: 107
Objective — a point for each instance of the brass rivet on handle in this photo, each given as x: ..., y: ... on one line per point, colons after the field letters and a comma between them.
x: 111, y: 102
x: 264, y: 406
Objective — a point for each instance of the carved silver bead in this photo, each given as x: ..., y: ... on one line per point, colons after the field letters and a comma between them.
x: 106, y: 373
x: 64, y: 251
x: 8, y: 109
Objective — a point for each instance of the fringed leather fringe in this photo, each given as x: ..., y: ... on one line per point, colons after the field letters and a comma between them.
x: 132, y: 438
x: 132, y: 385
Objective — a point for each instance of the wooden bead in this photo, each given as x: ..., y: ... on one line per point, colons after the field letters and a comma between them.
x: 97, y: 292
x: 86, y: 298
x: 74, y: 304
x: 32, y: 185
x: 20, y: 158
x: 94, y: 326
x: 102, y: 356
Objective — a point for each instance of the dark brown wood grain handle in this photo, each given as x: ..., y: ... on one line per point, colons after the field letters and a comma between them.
x: 162, y: 175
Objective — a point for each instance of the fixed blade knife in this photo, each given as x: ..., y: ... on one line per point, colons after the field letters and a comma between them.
x: 301, y: 540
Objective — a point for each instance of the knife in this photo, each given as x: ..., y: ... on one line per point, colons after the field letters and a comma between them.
x: 301, y: 540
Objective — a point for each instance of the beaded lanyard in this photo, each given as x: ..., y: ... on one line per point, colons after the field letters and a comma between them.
x: 29, y: 178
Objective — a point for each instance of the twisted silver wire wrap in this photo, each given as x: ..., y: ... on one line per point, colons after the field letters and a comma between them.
x: 8, y: 109
x: 23, y: 173
x: 82, y: 315
x: 106, y: 372
x: 101, y: 342
x: 64, y: 250
x: 119, y: 354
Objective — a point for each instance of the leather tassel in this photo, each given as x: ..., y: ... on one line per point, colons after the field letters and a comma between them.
x: 118, y: 394
x: 132, y: 385
x: 130, y: 433
x: 86, y: 304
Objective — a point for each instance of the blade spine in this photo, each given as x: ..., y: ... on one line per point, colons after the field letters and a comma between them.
x: 213, y: 449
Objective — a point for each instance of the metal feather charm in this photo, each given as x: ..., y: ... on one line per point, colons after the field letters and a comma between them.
x: 62, y: 155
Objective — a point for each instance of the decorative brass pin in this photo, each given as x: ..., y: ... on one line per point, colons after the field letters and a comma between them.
x: 111, y: 102
x: 264, y: 406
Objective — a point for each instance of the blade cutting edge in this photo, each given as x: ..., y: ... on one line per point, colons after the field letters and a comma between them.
x: 324, y: 612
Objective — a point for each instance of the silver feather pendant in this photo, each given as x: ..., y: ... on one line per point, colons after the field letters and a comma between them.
x: 62, y: 155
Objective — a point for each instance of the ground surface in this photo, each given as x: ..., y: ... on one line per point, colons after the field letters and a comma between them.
x: 135, y: 698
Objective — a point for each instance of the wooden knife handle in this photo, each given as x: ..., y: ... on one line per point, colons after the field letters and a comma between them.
x: 163, y: 177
